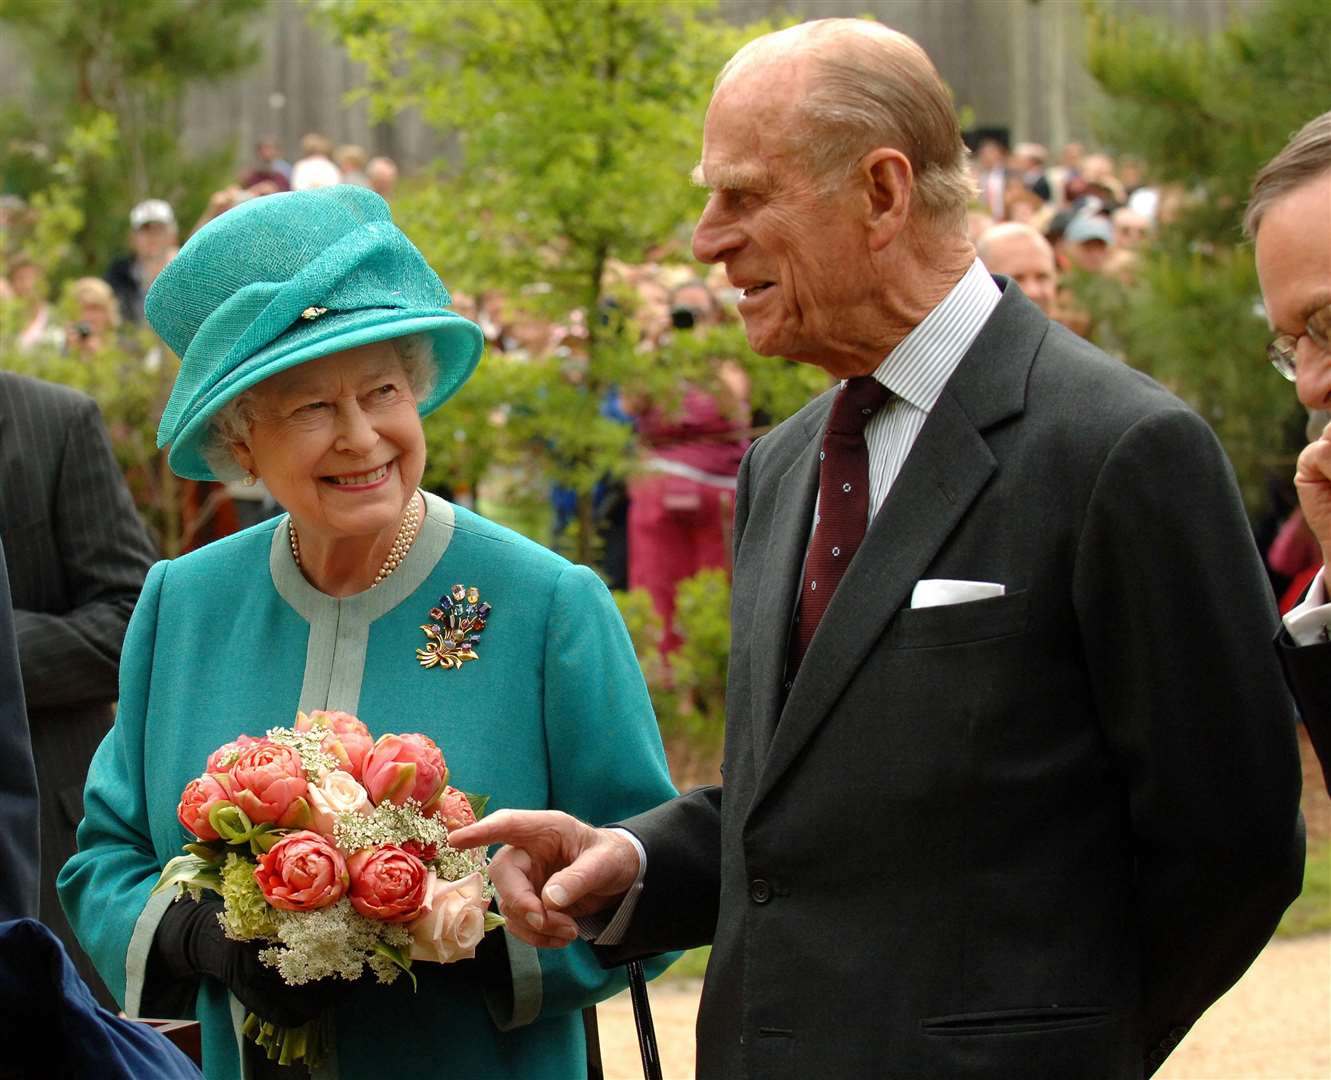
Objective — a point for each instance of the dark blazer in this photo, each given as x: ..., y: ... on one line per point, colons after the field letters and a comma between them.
x: 1028, y: 836
x: 77, y: 554
x: 18, y: 781
x: 1308, y: 672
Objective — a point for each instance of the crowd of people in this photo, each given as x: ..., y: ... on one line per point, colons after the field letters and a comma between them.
x: 1083, y: 835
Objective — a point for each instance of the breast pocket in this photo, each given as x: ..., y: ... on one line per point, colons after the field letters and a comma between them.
x: 958, y: 624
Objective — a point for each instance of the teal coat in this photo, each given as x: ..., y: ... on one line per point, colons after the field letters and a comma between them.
x: 232, y: 639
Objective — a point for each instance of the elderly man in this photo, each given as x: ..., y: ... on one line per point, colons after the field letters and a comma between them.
x: 1289, y: 216
x: 992, y: 806
x: 1018, y: 251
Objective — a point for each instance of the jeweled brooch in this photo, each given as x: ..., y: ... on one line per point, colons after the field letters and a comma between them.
x: 454, y: 629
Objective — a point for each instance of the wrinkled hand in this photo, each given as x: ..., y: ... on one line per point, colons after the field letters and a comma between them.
x: 554, y: 869
x: 1312, y: 480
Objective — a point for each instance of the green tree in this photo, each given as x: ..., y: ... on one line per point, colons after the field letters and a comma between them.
x: 577, y: 124
x: 1204, y: 114
x: 99, y: 61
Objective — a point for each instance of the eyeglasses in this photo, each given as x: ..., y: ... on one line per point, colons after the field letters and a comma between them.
x: 1284, y: 349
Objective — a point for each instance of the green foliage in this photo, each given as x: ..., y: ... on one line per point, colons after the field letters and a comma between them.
x: 1204, y: 114
x: 577, y: 124
x: 105, y: 62
x: 1311, y: 912
x: 689, y: 690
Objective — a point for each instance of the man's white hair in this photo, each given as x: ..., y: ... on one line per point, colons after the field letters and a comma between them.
x: 871, y: 87
x: 234, y: 421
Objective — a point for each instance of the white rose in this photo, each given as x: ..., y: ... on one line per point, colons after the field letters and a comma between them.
x: 452, y: 920
x: 336, y: 793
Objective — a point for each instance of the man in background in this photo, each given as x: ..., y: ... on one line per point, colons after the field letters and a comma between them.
x: 381, y: 172
x: 1019, y: 251
x: 153, y: 237
x: 77, y: 554
x: 1289, y: 219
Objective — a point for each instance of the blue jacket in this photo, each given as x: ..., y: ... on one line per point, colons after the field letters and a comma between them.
x: 554, y: 713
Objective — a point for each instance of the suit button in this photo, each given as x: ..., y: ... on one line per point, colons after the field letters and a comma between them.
x: 759, y: 891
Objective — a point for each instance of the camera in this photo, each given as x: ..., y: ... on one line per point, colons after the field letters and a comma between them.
x: 83, y: 329
x: 684, y: 318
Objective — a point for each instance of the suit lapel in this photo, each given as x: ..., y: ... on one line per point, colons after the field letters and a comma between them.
x: 946, y: 470
x: 792, y: 516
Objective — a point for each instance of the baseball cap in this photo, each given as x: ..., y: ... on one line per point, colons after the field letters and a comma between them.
x: 152, y: 211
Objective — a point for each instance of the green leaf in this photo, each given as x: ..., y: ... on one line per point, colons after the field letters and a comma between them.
x: 478, y: 803
x: 400, y: 957
x: 263, y: 837
x: 230, y: 822
x: 493, y: 921
x: 189, y: 871
x: 209, y: 853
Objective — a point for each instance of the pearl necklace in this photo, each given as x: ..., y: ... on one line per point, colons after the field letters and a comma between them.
x: 406, y: 536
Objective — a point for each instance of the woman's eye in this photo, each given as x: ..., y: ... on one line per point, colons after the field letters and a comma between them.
x: 387, y: 390
x: 312, y: 407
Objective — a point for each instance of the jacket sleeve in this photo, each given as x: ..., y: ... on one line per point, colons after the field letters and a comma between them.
x: 605, y: 762
x: 18, y: 780
x: 1176, y: 619
x: 71, y: 657
x: 105, y: 887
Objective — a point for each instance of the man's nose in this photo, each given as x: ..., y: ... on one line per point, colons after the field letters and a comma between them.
x: 714, y: 235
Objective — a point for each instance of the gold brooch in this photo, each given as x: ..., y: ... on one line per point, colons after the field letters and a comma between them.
x: 456, y: 628
x: 313, y: 312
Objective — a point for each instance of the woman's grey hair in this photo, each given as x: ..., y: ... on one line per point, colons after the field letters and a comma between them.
x: 874, y: 87
x: 1305, y: 157
x: 233, y: 421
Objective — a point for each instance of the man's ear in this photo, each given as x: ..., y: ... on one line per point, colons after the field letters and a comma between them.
x: 889, y: 182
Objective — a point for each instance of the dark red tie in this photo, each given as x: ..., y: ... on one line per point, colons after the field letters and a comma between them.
x: 843, y: 506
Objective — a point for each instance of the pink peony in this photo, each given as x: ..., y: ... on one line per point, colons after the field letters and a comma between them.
x: 197, y: 801
x: 268, y: 783
x: 401, y: 767
x: 452, y: 920
x: 302, y: 872
x: 387, y: 883
x: 454, y: 810
x: 348, y: 739
x: 225, y: 755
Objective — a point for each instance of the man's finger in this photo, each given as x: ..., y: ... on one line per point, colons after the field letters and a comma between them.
x: 1314, y: 463
x: 600, y: 873
x: 516, y: 827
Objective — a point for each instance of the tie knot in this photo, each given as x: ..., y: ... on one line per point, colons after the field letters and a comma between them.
x: 858, y: 400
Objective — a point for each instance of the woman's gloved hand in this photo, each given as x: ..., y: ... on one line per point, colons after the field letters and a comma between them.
x: 190, y: 941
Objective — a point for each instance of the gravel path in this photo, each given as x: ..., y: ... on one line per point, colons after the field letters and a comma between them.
x: 1274, y: 1025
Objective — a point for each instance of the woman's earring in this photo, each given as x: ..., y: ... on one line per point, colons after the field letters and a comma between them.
x: 250, y: 479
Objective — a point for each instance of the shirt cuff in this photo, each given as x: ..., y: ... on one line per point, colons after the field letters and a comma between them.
x: 1308, y: 622
x: 602, y: 931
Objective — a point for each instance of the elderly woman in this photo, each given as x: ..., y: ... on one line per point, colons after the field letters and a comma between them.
x: 312, y: 338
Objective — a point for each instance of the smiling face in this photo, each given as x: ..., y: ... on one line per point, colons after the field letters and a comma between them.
x: 338, y: 442
x: 1294, y: 268
x: 799, y: 254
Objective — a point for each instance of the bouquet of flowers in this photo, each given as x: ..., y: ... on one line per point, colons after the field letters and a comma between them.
x: 331, y: 849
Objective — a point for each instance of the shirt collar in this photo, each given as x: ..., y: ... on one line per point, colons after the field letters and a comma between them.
x: 919, y: 367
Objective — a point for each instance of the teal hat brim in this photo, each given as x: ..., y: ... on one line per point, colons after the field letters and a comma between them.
x: 456, y: 350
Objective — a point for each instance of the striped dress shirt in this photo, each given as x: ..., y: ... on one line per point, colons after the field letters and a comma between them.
x: 916, y: 372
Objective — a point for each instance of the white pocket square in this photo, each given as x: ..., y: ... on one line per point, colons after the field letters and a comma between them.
x: 935, y: 592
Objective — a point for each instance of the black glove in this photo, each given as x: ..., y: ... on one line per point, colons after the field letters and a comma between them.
x: 190, y: 940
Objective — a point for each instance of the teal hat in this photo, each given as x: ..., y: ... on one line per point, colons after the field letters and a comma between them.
x: 288, y: 278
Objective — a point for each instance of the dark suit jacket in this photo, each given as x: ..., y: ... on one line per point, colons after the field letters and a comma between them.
x: 1028, y: 836
x: 77, y: 554
x: 18, y: 781
x: 1308, y: 672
